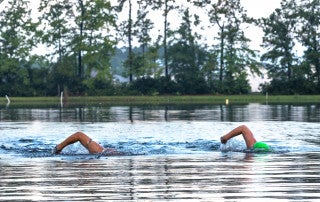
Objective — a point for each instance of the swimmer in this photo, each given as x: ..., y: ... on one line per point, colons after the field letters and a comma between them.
x: 87, y: 142
x: 248, y: 137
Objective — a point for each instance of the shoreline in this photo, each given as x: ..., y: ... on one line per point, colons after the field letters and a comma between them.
x: 163, y: 100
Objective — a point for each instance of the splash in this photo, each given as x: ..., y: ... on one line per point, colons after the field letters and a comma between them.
x: 33, y: 148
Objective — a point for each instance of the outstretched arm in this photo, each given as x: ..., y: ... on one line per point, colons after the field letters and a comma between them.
x: 246, y: 133
x: 86, y: 141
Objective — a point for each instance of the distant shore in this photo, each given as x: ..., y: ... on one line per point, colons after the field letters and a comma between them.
x: 163, y: 100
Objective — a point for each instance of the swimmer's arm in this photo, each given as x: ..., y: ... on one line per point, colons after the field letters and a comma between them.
x: 246, y: 133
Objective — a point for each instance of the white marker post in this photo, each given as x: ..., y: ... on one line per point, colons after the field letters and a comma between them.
x: 8, y: 101
x: 61, y: 99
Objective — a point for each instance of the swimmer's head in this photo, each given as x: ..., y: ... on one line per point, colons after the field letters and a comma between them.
x: 261, y: 147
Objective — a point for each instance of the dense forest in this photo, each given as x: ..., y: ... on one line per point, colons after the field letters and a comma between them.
x: 83, y: 55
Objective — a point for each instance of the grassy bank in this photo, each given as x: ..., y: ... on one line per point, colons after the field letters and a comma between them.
x: 164, y: 100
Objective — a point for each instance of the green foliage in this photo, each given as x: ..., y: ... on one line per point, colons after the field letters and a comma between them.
x: 277, y: 87
x: 279, y: 41
x: 154, y: 86
x: 283, y: 29
x: 16, y: 42
x: 38, y: 75
x: 232, y: 51
x: 309, y: 35
x: 81, y: 35
x: 98, y: 86
x: 14, y: 78
x: 145, y: 86
x: 230, y: 54
x: 78, y: 30
x: 186, y: 59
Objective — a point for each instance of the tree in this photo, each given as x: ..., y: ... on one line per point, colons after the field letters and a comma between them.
x: 55, y: 27
x: 142, y: 29
x: 167, y: 9
x: 233, y: 51
x: 279, y: 40
x: 186, y: 58
x: 94, y: 42
x: 152, y: 66
x: 230, y: 45
x: 309, y: 35
x: 79, y: 29
x: 127, y: 27
x: 167, y: 6
x: 16, y: 41
x: 284, y: 29
x: 143, y: 26
x: 38, y: 68
x: 141, y: 60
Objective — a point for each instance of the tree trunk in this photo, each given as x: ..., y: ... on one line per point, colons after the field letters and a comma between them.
x: 130, y: 41
x: 80, y: 66
x: 165, y: 39
x: 221, y: 54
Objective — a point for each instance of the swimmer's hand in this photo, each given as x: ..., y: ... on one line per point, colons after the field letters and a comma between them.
x: 223, y: 140
x: 55, y: 150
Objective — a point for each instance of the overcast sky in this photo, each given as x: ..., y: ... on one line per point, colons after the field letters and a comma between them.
x: 257, y: 9
x: 260, y: 8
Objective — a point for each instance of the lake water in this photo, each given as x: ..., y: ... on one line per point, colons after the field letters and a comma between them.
x: 172, y: 154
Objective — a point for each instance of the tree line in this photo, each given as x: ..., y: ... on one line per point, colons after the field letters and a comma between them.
x: 82, y: 53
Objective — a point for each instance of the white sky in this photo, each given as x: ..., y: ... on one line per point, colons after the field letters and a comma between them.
x: 260, y: 8
x: 257, y: 9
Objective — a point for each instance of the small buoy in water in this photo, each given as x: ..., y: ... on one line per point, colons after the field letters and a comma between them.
x: 227, y: 101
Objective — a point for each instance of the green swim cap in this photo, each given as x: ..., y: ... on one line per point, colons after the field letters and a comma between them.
x: 261, y: 147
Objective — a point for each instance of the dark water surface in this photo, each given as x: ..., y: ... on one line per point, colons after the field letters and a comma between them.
x: 173, y: 154
x: 248, y: 112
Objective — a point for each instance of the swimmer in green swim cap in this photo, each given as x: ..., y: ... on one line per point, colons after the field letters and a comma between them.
x: 251, y: 142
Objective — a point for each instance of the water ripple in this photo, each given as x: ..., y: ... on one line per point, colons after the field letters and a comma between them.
x: 164, y: 177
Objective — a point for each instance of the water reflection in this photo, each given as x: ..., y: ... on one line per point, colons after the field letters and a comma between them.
x: 248, y: 112
x: 177, y: 149
x: 210, y: 177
